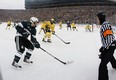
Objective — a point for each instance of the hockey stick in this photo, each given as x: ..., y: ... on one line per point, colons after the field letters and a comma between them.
x: 68, y: 62
x: 61, y: 39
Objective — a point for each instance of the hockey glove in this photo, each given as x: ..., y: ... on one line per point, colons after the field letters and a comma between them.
x: 36, y: 44
x: 53, y: 32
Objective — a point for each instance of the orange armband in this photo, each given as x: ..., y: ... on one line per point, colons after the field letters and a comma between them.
x: 107, y: 32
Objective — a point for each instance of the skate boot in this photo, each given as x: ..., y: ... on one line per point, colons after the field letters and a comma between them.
x: 15, y: 62
x: 27, y: 60
x: 43, y: 40
x: 16, y: 65
x: 49, y: 40
x: 27, y: 57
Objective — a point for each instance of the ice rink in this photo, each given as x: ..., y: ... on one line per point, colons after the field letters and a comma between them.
x: 83, y: 50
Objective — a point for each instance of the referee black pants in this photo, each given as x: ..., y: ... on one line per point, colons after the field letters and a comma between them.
x: 107, y: 56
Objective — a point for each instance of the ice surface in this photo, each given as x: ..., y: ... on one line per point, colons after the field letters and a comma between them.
x: 83, y: 50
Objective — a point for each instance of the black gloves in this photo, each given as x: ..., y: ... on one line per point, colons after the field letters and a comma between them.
x: 53, y: 32
x: 35, y: 42
x: 101, y: 49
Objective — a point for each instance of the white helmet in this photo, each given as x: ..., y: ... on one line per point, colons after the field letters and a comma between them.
x: 52, y: 19
x: 33, y: 19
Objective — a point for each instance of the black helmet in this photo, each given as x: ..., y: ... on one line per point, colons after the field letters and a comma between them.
x: 102, y: 17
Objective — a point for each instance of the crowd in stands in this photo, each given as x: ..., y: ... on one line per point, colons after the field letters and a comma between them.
x: 79, y: 14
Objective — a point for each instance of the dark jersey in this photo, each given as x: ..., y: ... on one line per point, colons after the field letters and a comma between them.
x: 68, y: 24
x: 25, y: 29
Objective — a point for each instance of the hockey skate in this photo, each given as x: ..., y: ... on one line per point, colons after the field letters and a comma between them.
x: 16, y: 65
x: 49, y: 40
x: 43, y: 40
x: 27, y: 60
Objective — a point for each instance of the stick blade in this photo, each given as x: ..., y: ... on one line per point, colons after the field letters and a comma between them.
x: 69, y: 62
x: 67, y: 42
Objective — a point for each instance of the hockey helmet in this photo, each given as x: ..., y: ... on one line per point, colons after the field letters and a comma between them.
x: 33, y: 19
x: 52, y: 19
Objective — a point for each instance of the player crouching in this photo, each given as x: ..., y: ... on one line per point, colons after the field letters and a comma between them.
x: 49, y: 30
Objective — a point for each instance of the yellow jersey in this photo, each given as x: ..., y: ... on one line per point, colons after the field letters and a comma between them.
x: 73, y: 25
x: 50, y: 26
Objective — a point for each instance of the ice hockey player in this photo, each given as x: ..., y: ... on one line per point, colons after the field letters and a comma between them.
x: 25, y: 30
x: 88, y: 27
x: 73, y: 25
x: 15, y: 23
x: 8, y: 24
x: 68, y: 25
x: 42, y: 27
x: 52, y: 26
x: 49, y: 30
x: 60, y: 24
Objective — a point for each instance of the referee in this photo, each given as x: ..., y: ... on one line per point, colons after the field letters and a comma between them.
x: 108, y: 47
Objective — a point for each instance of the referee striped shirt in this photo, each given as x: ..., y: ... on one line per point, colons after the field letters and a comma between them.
x: 106, y: 33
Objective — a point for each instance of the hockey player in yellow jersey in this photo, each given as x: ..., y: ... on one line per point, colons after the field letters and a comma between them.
x: 49, y: 30
x: 52, y: 26
x: 88, y: 27
x: 8, y: 24
x: 43, y: 27
x: 60, y: 24
x: 73, y: 25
